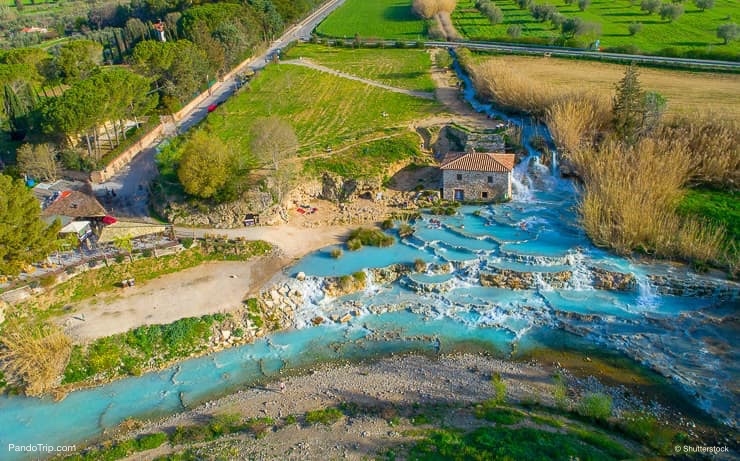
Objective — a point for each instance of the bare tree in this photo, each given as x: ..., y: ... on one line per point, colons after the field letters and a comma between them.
x: 38, y: 161
x: 274, y: 140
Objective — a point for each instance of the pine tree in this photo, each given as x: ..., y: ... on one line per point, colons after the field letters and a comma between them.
x: 25, y: 238
x: 628, y: 106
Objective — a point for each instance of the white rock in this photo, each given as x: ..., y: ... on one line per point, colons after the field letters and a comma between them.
x: 226, y: 334
x: 301, y: 276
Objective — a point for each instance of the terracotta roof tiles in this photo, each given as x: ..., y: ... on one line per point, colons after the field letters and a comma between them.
x: 479, y: 161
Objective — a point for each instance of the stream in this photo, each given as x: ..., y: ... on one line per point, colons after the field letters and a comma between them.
x: 674, y: 321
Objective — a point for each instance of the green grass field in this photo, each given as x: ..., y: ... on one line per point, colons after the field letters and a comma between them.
x: 324, y: 110
x: 695, y: 29
x: 402, y: 68
x: 370, y: 160
x: 374, y: 19
x: 721, y: 207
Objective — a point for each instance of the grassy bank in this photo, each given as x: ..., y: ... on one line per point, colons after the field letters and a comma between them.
x: 695, y: 30
x: 402, y: 68
x: 145, y: 348
x: 368, y: 161
x: 390, y: 19
x: 324, y: 110
x: 718, y: 206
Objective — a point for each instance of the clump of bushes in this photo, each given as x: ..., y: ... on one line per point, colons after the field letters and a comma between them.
x: 420, y: 265
x: 370, y: 237
x: 405, y: 230
x: 596, y: 406
x: 326, y: 416
x: 336, y: 253
x: 499, y: 388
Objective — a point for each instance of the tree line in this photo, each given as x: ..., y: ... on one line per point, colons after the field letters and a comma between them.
x: 73, y: 98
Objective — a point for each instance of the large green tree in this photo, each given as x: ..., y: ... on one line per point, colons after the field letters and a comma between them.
x: 206, y: 165
x: 78, y: 59
x: 25, y: 238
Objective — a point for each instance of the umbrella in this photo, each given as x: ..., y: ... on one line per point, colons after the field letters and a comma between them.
x: 109, y: 220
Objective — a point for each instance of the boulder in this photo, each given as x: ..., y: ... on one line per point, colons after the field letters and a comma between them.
x: 301, y: 276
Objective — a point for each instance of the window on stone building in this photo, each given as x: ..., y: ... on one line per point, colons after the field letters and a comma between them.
x: 459, y: 177
x: 485, y: 194
x: 490, y: 179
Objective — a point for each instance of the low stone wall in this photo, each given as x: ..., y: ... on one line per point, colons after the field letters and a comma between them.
x: 118, y: 163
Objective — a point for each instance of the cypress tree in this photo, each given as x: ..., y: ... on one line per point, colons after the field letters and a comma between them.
x: 628, y: 106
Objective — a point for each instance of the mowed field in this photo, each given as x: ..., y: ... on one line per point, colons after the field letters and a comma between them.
x: 694, y: 29
x: 374, y: 19
x: 324, y: 110
x: 402, y: 68
x: 687, y: 92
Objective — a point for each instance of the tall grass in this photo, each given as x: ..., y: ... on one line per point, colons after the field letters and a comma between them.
x: 630, y: 197
x: 429, y: 8
x: 37, y: 355
x: 714, y: 143
x: 577, y: 120
x: 499, y: 82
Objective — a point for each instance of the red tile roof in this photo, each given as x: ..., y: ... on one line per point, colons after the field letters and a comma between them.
x: 76, y: 205
x: 479, y: 161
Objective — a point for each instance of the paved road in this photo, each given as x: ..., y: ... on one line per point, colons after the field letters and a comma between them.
x: 130, y: 185
x: 312, y: 65
x: 556, y: 51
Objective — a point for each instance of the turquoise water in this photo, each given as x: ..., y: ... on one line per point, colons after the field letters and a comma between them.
x: 689, y: 339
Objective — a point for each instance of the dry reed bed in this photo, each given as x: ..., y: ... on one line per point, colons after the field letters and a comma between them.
x: 630, y: 194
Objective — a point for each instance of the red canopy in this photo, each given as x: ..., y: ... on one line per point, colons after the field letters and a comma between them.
x: 109, y: 220
x: 212, y: 107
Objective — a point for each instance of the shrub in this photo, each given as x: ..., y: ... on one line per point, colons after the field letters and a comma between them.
x: 420, y: 265
x: 346, y: 283
x: 387, y: 224
x: 651, y: 6
x: 583, y: 4
x: 354, y: 244
x: 596, y: 406
x: 560, y: 393
x: 405, y: 230
x: 704, y: 4
x: 499, y: 388
x: 728, y: 32
x: 645, y: 428
x: 635, y: 28
x: 360, y: 277
x: 323, y: 416
x: 671, y: 11
x: 542, y: 12
x: 370, y: 237
x: 514, y: 31
x: 151, y: 441
x: 336, y: 253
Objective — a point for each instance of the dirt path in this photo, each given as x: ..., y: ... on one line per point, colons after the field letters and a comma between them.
x: 206, y: 289
x: 449, y: 94
x: 312, y: 65
x: 294, y: 240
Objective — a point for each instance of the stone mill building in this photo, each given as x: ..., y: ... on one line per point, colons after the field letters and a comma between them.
x: 479, y: 176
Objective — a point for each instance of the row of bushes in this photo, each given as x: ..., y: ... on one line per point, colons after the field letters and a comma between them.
x: 149, y: 346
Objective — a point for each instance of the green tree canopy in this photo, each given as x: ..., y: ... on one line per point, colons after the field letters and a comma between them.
x: 25, y: 238
x: 636, y: 112
x: 78, y: 59
x: 206, y: 165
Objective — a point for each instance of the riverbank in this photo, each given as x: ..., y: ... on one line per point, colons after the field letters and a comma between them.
x: 389, y: 405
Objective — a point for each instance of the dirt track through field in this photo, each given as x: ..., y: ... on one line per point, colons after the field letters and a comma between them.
x: 312, y: 65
